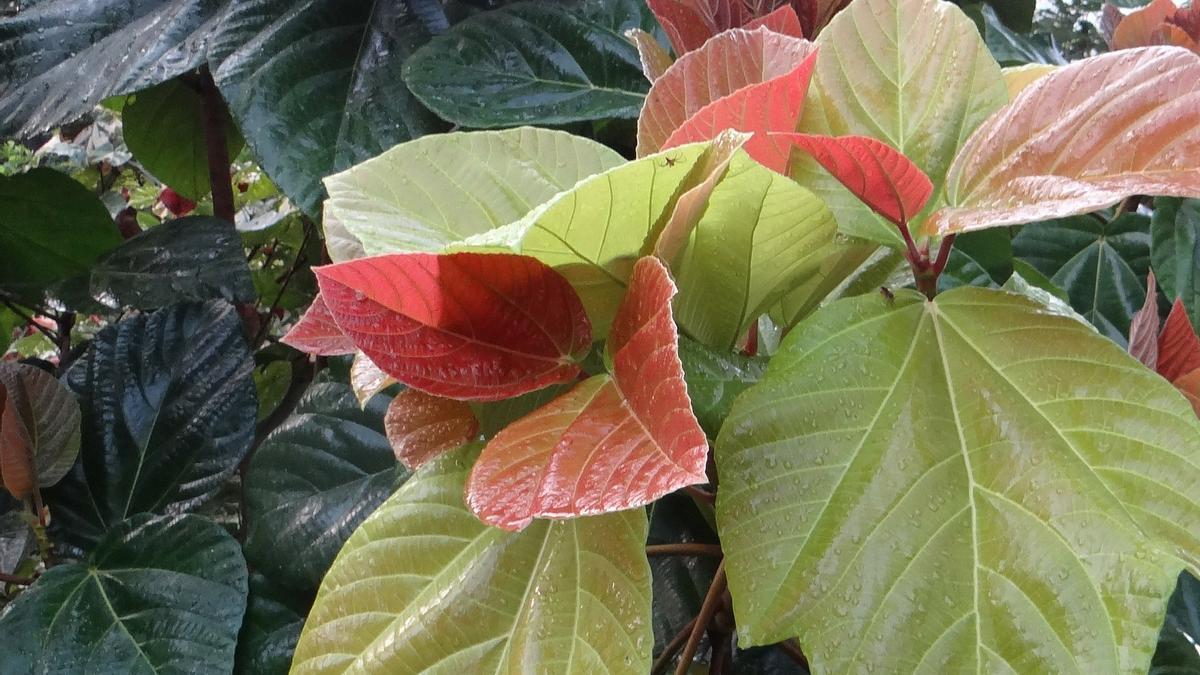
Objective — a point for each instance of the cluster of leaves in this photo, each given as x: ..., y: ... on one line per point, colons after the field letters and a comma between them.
x: 800, y: 335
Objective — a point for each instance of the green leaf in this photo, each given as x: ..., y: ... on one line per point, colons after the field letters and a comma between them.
x: 849, y: 267
x: 1177, y: 653
x: 157, y: 595
x: 1175, y: 251
x: 761, y: 235
x: 64, y: 57
x: 16, y: 538
x: 315, y: 85
x: 679, y: 582
x: 313, y: 481
x: 947, y: 85
x: 1102, y: 266
x: 424, y: 194
x: 424, y: 587
x: 971, y: 484
x: 714, y: 380
x: 168, y: 413
x: 1011, y: 48
x: 164, y: 129
x: 51, y: 228
x: 983, y: 258
x: 50, y: 416
x: 187, y: 259
x: 271, y: 383
x: 274, y: 617
x: 532, y: 63
x: 1048, y: 296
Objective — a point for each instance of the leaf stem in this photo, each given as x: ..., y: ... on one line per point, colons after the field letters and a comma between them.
x: 712, y: 602
x: 14, y: 579
x: 664, y: 659
x: 28, y: 319
x: 215, y: 143
x: 701, y: 494
x: 684, y: 548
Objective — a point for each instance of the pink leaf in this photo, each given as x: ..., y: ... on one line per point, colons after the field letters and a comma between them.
x: 1143, y: 331
x: 782, y: 20
x: 317, y: 333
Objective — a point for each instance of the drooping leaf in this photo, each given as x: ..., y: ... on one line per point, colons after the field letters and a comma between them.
x: 1143, y: 330
x: 313, y: 481
x: 51, y: 228
x: 367, y: 379
x: 654, y: 57
x: 1175, y: 251
x: 1177, y: 653
x: 691, y: 205
x: 169, y: 407
x: 963, y: 509
x: 1100, y: 265
x: 42, y: 413
x: 471, y: 326
x: 189, y: 259
x: 155, y: 595
x: 271, y: 629
x: 533, y: 63
x: 318, y: 333
x: 18, y: 472
x: 316, y: 86
x: 421, y: 427
x: 729, y: 62
x: 1178, y: 346
x: 568, y: 597
x: 714, y: 379
x: 424, y: 194
x: 611, y: 443
x: 1060, y: 149
x: 164, y: 129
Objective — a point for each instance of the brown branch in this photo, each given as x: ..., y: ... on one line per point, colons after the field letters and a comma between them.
x: 792, y: 649
x: 701, y: 494
x: 14, y: 579
x: 215, y: 143
x: 712, y: 602
x: 686, y: 548
x: 664, y: 659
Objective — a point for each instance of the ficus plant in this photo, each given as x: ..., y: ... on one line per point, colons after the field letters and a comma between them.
x: 614, y: 336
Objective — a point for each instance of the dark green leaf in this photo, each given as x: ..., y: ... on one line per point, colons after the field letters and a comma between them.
x: 1012, y: 48
x: 1177, y: 653
x: 51, y: 228
x: 1102, y: 266
x: 315, y: 85
x: 1175, y: 251
x: 188, y: 259
x: 16, y: 539
x: 164, y: 129
x: 157, y: 595
x: 982, y: 258
x: 714, y: 379
x: 168, y: 412
x: 314, y: 480
x: 532, y: 63
x: 271, y: 381
x: 274, y: 617
x: 679, y: 582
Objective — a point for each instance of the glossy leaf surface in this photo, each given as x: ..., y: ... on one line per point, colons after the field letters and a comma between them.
x: 611, y: 443
x: 1175, y: 251
x: 39, y: 420
x: 154, y: 595
x: 424, y: 194
x: 714, y: 379
x: 366, y: 379
x: 317, y: 332
x: 464, y: 325
x: 569, y: 597
x: 271, y: 629
x: 420, y: 427
x: 1060, y: 149
x: 988, y: 487
x: 1176, y: 653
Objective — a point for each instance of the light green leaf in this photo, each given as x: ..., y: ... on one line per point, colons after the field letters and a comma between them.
x: 424, y: 194
x: 966, y: 485
x: 425, y: 587
x: 761, y: 236
x: 849, y: 267
x: 912, y: 73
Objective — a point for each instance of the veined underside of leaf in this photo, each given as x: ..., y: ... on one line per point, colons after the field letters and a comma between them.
x: 729, y: 62
x: 420, y: 427
x: 1143, y: 330
x: 1178, y: 346
x: 654, y: 58
x: 39, y: 428
x: 367, y: 379
x: 1080, y: 139
x: 317, y: 332
x: 690, y: 23
x: 611, y: 443
x: 17, y: 471
x: 782, y: 20
x: 471, y: 326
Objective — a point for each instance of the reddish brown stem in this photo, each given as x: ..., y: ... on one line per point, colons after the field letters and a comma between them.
x: 686, y: 548
x: 664, y: 659
x: 712, y: 602
x: 701, y: 494
x: 215, y: 144
x: 14, y: 579
x: 793, y: 650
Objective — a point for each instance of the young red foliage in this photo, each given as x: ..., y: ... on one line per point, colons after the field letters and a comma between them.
x: 317, y: 333
x: 469, y: 326
x: 875, y: 172
x: 1143, y: 331
x: 772, y: 106
x: 1189, y: 386
x: 612, y: 442
x: 420, y: 427
x: 17, y: 471
x: 782, y: 20
x: 1178, y: 347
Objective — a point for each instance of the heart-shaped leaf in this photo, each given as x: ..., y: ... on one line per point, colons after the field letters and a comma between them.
x: 39, y: 425
x: 420, y: 427
x: 471, y: 326
x: 1060, y: 149
x: 155, y: 594
x: 567, y: 597
x: 317, y: 332
x: 954, y: 482
x: 313, y: 481
x: 611, y: 443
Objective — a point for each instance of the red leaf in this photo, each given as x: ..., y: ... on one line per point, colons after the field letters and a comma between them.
x: 1178, y: 347
x: 689, y: 23
x: 783, y: 20
x: 1188, y: 20
x: 773, y: 106
x: 18, y: 473
x: 878, y: 174
x: 1143, y: 331
x: 420, y: 427
x: 317, y: 333
x: 468, y: 326
x: 611, y: 443
x: 1189, y: 386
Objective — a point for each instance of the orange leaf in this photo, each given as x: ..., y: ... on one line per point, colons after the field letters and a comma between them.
x: 782, y: 20
x: 611, y: 443
x: 1138, y: 28
x: 1178, y: 347
x: 420, y: 427
x: 1189, y: 386
x: 655, y: 60
x: 16, y: 448
x: 1079, y: 139
x: 1143, y: 330
x: 729, y: 62
x: 317, y: 333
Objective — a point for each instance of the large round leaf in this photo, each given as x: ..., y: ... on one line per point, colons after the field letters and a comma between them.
x: 313, y: 481
x: 169, y: 406
x: 970, y: 484
x: 157, y: 595
x: 534, y: 63
x: 425, y: 587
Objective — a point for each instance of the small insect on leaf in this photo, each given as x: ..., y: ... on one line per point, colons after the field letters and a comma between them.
x: 887, y: 294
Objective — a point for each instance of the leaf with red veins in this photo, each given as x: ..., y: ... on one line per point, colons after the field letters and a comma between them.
x: 875, y: 172
x: 1178, y: 347
x: 468, y: 326
x: 420, y: 427
x: 783, y: 20
x: 689, y: 23
x: 612, y: 442
x: 772, y: 106
x: 1143, y: 330
x: 18, y: 473
x: 317, y: 333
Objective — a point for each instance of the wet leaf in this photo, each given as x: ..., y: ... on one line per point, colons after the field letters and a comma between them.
x: 366, y: 378
x: 1177, y: 653
x: 421, y: 427
x: 714, y: 379
x: 271, y: 629
x: 318, y: 333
